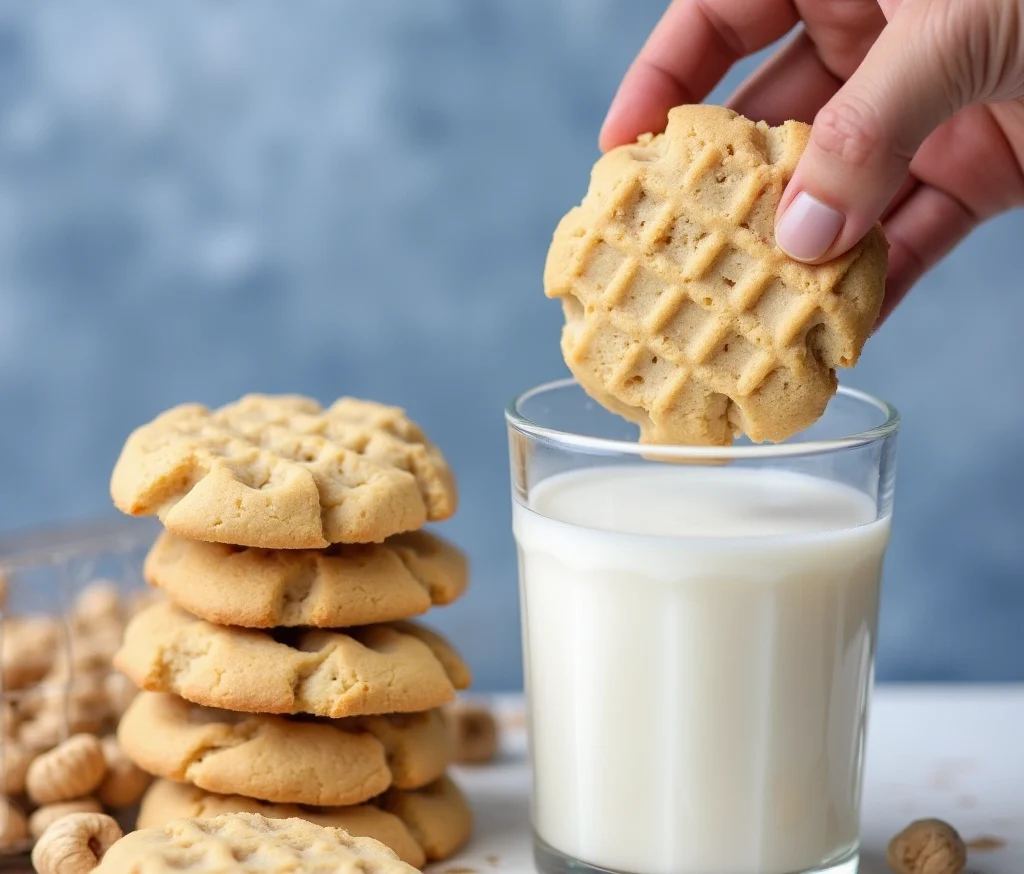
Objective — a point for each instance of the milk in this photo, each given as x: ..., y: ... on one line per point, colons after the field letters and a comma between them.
x: 699, y: 649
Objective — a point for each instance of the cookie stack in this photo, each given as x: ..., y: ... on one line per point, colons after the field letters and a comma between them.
x: 281, y: 673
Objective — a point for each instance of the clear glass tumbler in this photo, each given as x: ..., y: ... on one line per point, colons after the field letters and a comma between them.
x: 699, y: 632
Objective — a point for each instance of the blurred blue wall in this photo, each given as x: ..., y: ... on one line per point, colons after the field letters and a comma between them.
x: 203, y: 199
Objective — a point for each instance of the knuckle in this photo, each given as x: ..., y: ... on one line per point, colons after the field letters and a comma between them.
x: 848, y: 131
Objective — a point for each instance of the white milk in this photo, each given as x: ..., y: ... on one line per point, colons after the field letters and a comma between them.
x: 699, y: 653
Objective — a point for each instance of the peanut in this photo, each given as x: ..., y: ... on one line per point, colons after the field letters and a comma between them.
x: 474, y: 732
x: 47, y: 728
x: 125, y: 781
x: 927, y: 846
x: 71, y: 770
x: 13, y: 828
x: 27, y: 651
x: 120, y: 693
x: 75, y: 844
x: 16, y: 759
x: 98, y: 604
x: 10, y: 717
x: 48, y: 814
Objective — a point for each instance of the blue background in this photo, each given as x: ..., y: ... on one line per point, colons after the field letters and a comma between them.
x: 198, y: 200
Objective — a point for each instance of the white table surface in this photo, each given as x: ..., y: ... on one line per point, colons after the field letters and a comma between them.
x: 953, y: 752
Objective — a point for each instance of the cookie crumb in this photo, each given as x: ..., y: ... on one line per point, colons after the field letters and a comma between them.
x: 985, y: 844
x: 927, y: 846
x: 458, y: 870
x: 493, y: 861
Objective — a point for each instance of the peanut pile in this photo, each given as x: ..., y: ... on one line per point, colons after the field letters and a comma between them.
x: 61, y: 704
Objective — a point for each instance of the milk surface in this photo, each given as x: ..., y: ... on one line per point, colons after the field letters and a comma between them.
x: 699, y: 648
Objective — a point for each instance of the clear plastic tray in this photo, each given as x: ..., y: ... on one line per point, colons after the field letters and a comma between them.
x: 55, y: 653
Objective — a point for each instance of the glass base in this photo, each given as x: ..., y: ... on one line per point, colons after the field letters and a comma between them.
x: 550, y: 861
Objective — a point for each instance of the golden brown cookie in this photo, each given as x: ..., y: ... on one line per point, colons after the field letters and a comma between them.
x: 344, y: 585
x: 401, y: 667
x: 418, y: 746
x: 273, y: 758
x: 240, y: 843
x: 283, y: 473
x: 446, y: 827
x: 267, y: 757
x: 682, y: 315
x: 437, y: 815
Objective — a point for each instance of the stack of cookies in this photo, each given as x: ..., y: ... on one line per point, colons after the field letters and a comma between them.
x: 281, y: 673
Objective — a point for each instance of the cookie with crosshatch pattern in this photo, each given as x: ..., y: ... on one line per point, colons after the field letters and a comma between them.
x: 420, y: 825
x: 682, y: 315
x: 280, y: 472
x: 246, y: 843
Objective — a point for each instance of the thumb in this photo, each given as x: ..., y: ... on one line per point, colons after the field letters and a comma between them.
x: 863, y: 139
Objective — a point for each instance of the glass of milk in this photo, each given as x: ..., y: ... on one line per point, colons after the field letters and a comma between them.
x: 699, y: 634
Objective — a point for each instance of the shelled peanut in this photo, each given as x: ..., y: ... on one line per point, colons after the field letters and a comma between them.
x: 473, y: 730
x: 62, y: 701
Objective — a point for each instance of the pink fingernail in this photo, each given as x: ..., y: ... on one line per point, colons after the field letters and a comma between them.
x: 807, y: 228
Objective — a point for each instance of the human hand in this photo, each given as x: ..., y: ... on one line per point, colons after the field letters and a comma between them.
x: 917, y: 108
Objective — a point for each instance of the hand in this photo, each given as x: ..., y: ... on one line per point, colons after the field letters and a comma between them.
x: 917, y: 108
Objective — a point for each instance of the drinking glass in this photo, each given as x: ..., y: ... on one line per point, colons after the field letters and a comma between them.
x: 699, y: 630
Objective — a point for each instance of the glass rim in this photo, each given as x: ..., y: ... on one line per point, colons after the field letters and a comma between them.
x: 675, y: 452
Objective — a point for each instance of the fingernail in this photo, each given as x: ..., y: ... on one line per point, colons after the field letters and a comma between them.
x: 807, y: 228
x: 604, y: 124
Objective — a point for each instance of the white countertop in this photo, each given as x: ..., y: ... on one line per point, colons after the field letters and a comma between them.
x: 952, y: 752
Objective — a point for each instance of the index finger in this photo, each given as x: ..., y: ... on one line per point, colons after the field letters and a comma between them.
x: 688, y: 52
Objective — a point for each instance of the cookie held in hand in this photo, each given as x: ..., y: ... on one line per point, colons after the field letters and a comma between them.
x: 681, y: 313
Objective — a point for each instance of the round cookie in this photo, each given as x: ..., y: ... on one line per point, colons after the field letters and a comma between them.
x: 280, y: 472
x: 681, y: 313
x: 267, y: 757
x: 248, y: 843
x: 418, y: 746
x: 341, y: 586
x: 400, y: 667
x: 439, y: 816
x: 273, y: 758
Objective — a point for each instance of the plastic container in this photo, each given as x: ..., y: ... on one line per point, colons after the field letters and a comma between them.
x: 66, y: 595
